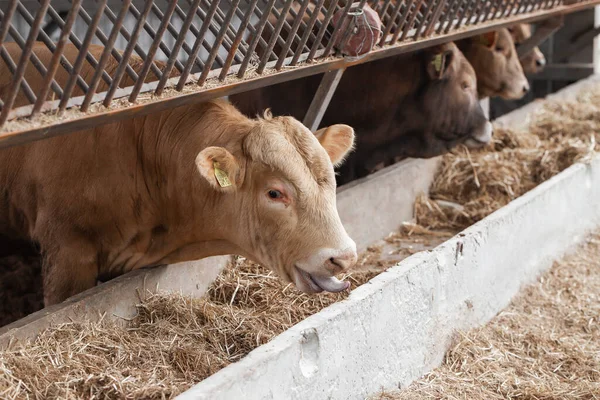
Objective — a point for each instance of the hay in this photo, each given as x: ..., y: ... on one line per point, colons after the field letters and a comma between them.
x: 546, y: 345
x: 176, y: 341
x: 472, y: 184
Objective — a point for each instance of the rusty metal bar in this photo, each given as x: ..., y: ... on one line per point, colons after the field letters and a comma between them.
x: 6, y: 18
x: 105, y: 55
x: 196, y: 48
x: 26, y: 53
x: 274, y: 36
x: 435, y: 18
x: 238, y: 39
x: 127, y: 54
x: 321, y: 99
x: 83, y: 51
x: 12, y: 68
x: 453, y: 17
x: 319, y: 38
x: 178, y: 43
x: 291, y: 35
x: 402, y: 22
x: 255, y: 39
x: 307, y: 33
x: 410, y: 22
x: 220, y: 20
x: 163, y: 47
x: 157, y: 40
x: 56, y: 56
x: 218, y: 41
x: 423, y: 21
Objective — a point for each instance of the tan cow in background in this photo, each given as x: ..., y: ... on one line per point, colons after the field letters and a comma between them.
x: 494, y: 57
x: 178, y: 185
x: 534, y: 61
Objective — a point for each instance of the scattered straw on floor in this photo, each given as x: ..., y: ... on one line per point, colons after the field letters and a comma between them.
x: 546, y: 345
x: 175, y: 341
x: 473, y: 184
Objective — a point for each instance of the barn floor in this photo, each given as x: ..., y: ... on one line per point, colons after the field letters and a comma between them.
x: 546, y: 345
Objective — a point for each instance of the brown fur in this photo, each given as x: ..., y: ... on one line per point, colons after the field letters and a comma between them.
x: 138, y: 193
x: 534, y: 61
x: 494, y: 57
x: 397, y: 106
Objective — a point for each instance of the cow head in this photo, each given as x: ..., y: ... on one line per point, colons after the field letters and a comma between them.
x: 534, y: 61
x: 281, y: 189
x: 446, y: 110
x: 494, y: 57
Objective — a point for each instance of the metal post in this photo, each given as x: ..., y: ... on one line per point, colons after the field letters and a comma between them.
x: 322, y: 97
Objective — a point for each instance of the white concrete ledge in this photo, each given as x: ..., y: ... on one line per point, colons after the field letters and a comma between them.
x: 398, y: 326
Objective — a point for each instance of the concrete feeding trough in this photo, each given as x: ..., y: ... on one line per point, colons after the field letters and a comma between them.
x: 398, y: 326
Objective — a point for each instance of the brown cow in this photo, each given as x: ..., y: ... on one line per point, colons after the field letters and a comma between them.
x: 417, y: 105
x: 494, y: 57
x: 183, y: 184
x: 534, y: 61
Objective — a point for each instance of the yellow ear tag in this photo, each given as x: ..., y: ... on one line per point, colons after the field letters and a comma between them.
x: 437, y: 62
x: 221, y: 176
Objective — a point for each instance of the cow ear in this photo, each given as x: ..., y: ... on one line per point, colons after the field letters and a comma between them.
x: 439, y: 64
x: 220, y: 168
x: 488, y: 39
x: 337, y: 140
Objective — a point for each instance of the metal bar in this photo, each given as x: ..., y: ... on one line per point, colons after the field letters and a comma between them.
x: 291, y: 35
x: 337, y: 30
x: 12, y: 68
x: 319, y: 38
x: 220, y: 20
x: 238, y: 39
x: 180, y: 40
x: 50, y: 44
x: 196, y: 48
x: 105, y: 55
x: 6, y: 18
x: 423, y: 19
x: 158, y: 35
x: 565, y: 72
x: 255, y: 39
x: 322, y: 97
x: 26, y: 53
x: 83, y: 51
x: 218, y: 41
x: 163, y: 47
x: 543, y: 32
x: 127, y: 54
x: 274, y: 36
x: 578, y: 43
x: 436, y: 17
x: 56, y: 56
x: 409, y: 23
x: 453, y: 17
x: 307, y: 33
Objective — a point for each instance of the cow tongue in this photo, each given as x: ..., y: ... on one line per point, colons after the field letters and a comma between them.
x: 330, y: 284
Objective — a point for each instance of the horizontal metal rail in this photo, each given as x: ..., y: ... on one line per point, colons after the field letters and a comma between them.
x: 197, y: 50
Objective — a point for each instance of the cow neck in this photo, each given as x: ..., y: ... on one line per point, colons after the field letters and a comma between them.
x: 197, y: 215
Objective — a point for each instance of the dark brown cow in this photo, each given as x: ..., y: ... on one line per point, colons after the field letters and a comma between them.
x: 494, y: 58
x: 178, y: 185
x: 417, y: 105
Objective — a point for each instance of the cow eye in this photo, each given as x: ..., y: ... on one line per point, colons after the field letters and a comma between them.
x: 499, y: 48
x: 465, y: 85
x: 275, y: 194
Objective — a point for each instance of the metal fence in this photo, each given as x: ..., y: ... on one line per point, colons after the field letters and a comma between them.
x: 51, y: 61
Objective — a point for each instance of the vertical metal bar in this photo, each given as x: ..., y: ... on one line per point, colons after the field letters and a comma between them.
x: 425, y: 16
x: 466, y: 8
x: 83, y: 51
x: 255, y: 39
x: 217, y: 43
x: 435, y: 18
x: 238, y: 39
x: 6, y: 18
x: 410, y: 22
x: 291, y: 35
x: 20, y: 71
x: 322, y: 97
x: 163, y: 47
x: 53, y: 66
x: 12, y: 67
x: 319, y: 38
x: 337, y: 30
x: 274, y: 36
x: 453, y: 17
x: 309, y: 28
x: 127, y: 54
x: 180, y: 40
x: 158, y: 35
x: 105, y: 55
x: 401, y: 22
x: 196, y: 48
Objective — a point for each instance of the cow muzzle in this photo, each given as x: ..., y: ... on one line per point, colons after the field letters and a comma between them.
x: 317, y: 273
x: 481, y: 138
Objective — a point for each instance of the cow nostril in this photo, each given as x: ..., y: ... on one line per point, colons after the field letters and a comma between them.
x: 540, y: 63
x: 525, y: 88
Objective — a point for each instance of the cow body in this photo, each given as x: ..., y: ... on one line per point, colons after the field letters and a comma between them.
x: 178, y: 185
x: 399, y: 106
